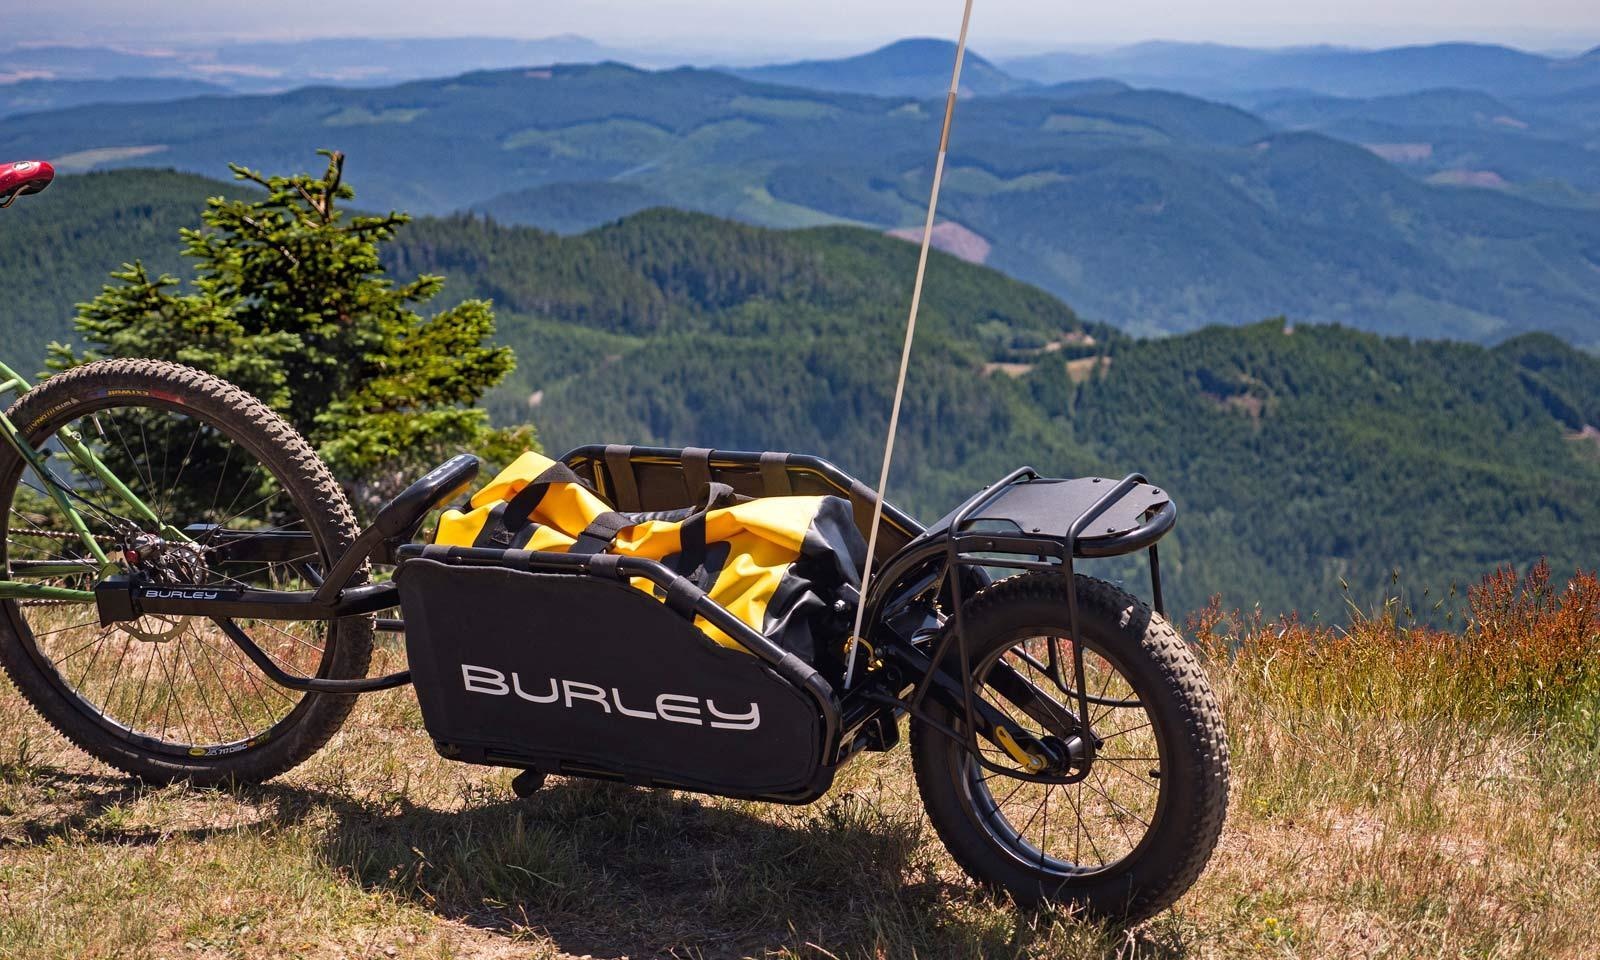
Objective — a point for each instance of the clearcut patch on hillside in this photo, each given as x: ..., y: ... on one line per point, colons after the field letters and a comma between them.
x: 82, y: 161
x: 951, y: 237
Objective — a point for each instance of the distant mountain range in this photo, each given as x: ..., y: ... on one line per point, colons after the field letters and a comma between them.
x: 269, y: 66
x: 907, y: 68
x: 1216, y: 70
x: 1542, y: 148
x: 1462, y: 114
x: 1153, y: 210
x: 33, y: 96
x: 1302, y: 457
x: 914, y: 67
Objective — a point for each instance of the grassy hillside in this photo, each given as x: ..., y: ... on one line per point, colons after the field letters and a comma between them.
x: 1154, y: 211
x: 1303, y: 460
x: 1396, y: 793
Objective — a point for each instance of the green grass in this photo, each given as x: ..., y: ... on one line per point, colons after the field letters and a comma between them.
x: 1392, y: 798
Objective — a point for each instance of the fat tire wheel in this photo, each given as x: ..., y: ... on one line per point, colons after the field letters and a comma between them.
x: 1173, y: 690
x: 248, y: 422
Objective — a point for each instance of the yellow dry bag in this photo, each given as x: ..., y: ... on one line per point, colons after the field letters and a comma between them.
x: 786, y: 566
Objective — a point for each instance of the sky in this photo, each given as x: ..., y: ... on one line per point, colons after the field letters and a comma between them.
x: 762, y: 27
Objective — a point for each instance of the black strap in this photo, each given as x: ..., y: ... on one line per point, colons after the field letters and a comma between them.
x: 519, y: 509
x: 692, y: 547
x: 516, y: 526
x: 696, y: 463
x: 625, y: 487
x: 494, y: 532
x: 692, y: 550
x: 597, y: 536
x: 499, y: 533
x: 775, y: 474
x: 713, y: 496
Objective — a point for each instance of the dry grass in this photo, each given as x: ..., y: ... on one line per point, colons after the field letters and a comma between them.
x: 1399, y: 792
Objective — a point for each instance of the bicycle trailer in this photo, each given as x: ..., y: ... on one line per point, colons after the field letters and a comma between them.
x: 618, y: 672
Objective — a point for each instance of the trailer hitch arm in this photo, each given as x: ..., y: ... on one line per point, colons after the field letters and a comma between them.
x: 127, y: 597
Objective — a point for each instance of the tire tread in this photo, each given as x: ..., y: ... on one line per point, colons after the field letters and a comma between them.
x: 1159, y: 883
x: 224, y: 404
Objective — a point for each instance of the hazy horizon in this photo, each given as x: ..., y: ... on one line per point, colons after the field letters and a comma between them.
x: 750, y: 31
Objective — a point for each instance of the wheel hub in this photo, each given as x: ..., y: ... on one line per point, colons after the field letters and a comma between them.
x: 163, y: 561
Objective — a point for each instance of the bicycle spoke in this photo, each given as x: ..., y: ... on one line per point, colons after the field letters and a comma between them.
x: 115, y: 673
x: 1136, y: 778
x: 166, y: 713
x: 191, y: 683
x: 1077, y: 811
x: 200, y: 687
x: 1114, y: 804
x: 75, y: 626
x: 226, y: 692
x: 1094, y: 721
x: 134, y: 716
x: 104, y: 635
x: 1129, y: 730
x: 1109, y: 820
x: 76, y: 651
x: 249, y: 671
x: 187, y: 454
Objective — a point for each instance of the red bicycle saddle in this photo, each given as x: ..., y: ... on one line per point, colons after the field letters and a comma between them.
x: 22, y: 177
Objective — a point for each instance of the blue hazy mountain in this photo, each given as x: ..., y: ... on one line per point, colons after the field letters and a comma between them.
x: 31, y: 96
x: 1214, y: 70
x: 275, y: 65
x: 1153, y: 210
x: 1465, y: 136
x: 918, y: 67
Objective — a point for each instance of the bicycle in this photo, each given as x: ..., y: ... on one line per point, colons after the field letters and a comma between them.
x: 185, y: 594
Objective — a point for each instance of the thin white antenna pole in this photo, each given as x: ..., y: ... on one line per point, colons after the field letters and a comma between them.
x: 905, y: 352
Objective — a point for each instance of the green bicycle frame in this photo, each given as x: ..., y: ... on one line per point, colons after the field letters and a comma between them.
x: 73, y: 445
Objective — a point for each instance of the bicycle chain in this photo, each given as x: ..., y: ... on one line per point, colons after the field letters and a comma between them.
x: 102, y: 538
x: 64, y: 536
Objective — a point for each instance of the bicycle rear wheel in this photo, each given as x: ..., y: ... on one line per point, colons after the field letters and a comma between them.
x: 236, y: 498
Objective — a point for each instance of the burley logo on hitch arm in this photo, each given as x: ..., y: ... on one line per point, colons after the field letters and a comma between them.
x: 117, y: 598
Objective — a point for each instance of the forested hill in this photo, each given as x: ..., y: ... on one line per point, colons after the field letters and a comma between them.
x: 1305, y: 458
x: 57, y: 249
x: 1301, y: 456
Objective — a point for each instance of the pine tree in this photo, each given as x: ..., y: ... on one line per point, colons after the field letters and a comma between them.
x: 290, y: 301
